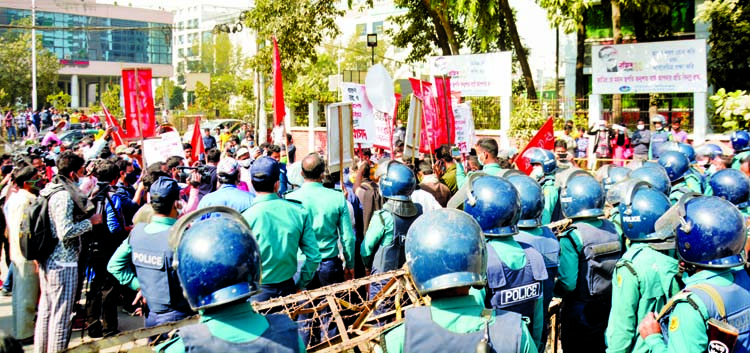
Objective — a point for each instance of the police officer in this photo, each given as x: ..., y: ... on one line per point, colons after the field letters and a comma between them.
x: 741, y: 144
x: 588, y: 248
x: 609, y: 175
x: 676, y: 166
x: 143, y: 261
x: 655, y: 175
x: 487, y: 150
x: 383, y: 246
x: 544, y: 166
x: 217, y: 284
x: 644, y: 278
x: 515, y: 272
x: 658, y: 137
x: 446, y: 256
x: 710, y: 239
x: 733, y: 186
x: 331, y: 223
x: 693, y: 177
x: 282, y: 227
x: 532, y: 232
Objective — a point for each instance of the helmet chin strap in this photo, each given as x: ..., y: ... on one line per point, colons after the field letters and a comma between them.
x: 470, y: 198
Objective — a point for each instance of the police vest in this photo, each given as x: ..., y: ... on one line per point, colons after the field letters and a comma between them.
x: 736, y: 301
x: 515, y: 290
x: 658, y: 138
x: 392, y: 256
x: 596, y: 263
x: 547, y: 245
x: 152, y: 258
x: 424, y: 335
x: 281, y: 336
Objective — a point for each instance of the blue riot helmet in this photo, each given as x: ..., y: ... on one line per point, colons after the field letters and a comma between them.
x: 582, y: 197
x: 398, y: 181
x: 217, y: 260
x: 658, y: 118
x: 532, y: 200
x: 656, y: 176
x: 731, y: 185
x: 675, y: 163
x: 709, y: 150
x: 740, y: 141
x: 640, y: 206
x: 710, y: 231
x: 445, y: 249
x: 494, y: 203
x: 610, y: 175
x: 687, y: 150
x: 545, y: 158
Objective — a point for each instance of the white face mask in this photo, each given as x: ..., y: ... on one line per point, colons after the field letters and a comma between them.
x: 711, y: 170
x: 537, y: 173
x: 641, y: 127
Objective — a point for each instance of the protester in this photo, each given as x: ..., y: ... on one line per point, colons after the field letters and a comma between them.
x: 430, y: 183
x: 641, y: 139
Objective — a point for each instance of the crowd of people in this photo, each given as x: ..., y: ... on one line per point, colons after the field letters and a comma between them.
x: 491, y: 246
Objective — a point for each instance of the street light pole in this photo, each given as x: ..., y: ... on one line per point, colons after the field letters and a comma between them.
x: 372, y: 42
x: 33, y: 55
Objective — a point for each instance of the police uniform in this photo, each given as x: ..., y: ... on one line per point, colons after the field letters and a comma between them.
x: 515, y: 277
x: 458, y: 325
x: 462, y: 177
x: 680, y: 188
x: 643, y: 281
x: 685, y: 327
x: 736, y: 160
x: 330, y: 220
x: 551, y: 196
x: 585, y: 291
x: 144, y: 261
x: 658, y: 138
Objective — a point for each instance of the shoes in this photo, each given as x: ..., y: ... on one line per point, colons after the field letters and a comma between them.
x: 5, y: 293
x: 27, y: 341
x: 95, y: 330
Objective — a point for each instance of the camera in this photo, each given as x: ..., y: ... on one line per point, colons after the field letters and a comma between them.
x: 185, y: 173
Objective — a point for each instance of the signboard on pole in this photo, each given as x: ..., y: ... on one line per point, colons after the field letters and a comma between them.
x: 413, y: 125
x: 363, y: 116
x: 476, y: 75
x: 139, y: 103
x: 339, y: 147
x: 659, y: 67
x: 159, y: 149
x: 465, y: 135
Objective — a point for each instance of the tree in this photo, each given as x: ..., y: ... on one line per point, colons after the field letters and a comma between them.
x: 111, y: 100
x: 357, y: 56
x: 311, y: 85
x: 570, y: 16
x: 732, y: 109
x: 15, y: 66
x: 59, y: 101
x: 173, y: 94
x: 728, y: 65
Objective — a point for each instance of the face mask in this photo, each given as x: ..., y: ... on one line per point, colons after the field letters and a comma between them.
x: 131, y: 178
x: 641, y: 127
x: 562, y: 155
x: 480, y: 159
x: 6, y: 169
x: 711, y: 170
x: 283, y: 160
x: 56, y: 149
x: 36, y: 184
x: 537, y: 173
x: 245, y: 163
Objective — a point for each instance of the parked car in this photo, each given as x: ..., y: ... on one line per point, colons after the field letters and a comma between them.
x: 232, y: 124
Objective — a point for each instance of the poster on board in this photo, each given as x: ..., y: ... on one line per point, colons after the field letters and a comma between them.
x: 661, y: 67
x: 413, y: 125
x: 465, y: 135
x: 363, y: 116
x: 336, y: 137
x: 476, y: 75
x: 159, y: 149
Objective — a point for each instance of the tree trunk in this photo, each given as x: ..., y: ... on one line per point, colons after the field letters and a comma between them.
x: 443, y: 37
x: 617, y: 36
x: 501, y: 38
x: 581, y: 84
x: 520, y: 51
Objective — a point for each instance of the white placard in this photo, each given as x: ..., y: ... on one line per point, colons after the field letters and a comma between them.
x: 362, y: 113
x: 412, y: 136
x: 465, y: 135
x: 476, y: 75
x: 159, y: 149
x: 659, y: 67
x: 334, y: 139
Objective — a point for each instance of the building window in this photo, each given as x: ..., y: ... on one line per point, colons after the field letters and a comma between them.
x: 377, y: 27
x: 361, y: 29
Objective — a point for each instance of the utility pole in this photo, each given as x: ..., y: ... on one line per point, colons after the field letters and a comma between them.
x: 33, y: 55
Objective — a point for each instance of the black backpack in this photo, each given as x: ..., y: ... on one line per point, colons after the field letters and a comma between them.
x: 35, y: 237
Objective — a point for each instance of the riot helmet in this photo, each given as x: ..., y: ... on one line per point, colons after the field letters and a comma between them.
x: 687, y: 150
x: 545, y: 158
x: 640, y: 206
x: 397, y: 182
x: 494, y: 203
x: 532, y: 200
x: 731, y: 185
x: 675, y: 163
x: 655, y: 175
x: 709, y: 150
x: 610, y: 175
x: 582, y: 197
x: 740, y: 141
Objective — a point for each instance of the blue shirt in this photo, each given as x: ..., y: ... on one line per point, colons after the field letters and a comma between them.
x: 228, y: 195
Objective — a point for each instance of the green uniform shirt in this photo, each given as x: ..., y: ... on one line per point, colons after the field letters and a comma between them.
x: 570, y: 247
x: 678, y: 189
x: 551, y: 197
x: 459, y: 315
x: 634, y: 297
x: 737, y: 158
x: 379, y: 233
x: 513, y: 256
x: 462, y: 177
x: 236, y: 323
x: 281, y: 228
x: 449, y: 178
x: 330, y: 216
x: 121, y: 263
x: 688, y: 327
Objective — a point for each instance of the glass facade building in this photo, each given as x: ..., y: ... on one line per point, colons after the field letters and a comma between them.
x: 133, y: 41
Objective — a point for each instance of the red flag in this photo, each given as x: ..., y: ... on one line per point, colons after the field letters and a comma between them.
x: 111, y: 122
x: 197, y: 141
x: 544, y: 138
x: 278, y: 87
x: 139, y: 102
x: 434, y: 133
x: 445, y: 105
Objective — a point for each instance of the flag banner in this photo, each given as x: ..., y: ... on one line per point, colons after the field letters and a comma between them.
x: 544, y: 138
x: 139, y: 100
x: 445, y: 105
x: 197, y: 140
x: 116, y: 130
x: 433, y: 132
x: 278, y: 87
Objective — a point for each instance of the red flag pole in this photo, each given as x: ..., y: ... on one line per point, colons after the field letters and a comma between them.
x: 138, y: 106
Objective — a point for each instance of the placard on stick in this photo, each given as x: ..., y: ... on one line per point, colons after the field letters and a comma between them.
x: 339, y: 147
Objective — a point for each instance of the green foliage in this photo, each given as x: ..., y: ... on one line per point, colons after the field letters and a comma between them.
x: 732, y: 110
x: 59, y: 101
x: 311, y: 85
x: 729, y: 40
x: 15, y: 66
x: 566, y: 14
x: 173, y: 95
x: 111, y: 100
x: 525, y: 121
x: 357, y: 56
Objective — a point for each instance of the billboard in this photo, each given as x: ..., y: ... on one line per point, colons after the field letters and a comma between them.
x: 659, y: 67
x: 476, y: 75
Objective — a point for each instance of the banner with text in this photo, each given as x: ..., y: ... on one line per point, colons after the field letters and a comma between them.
x: 339, y: 140
x: 434, y: 131
x: 363, y: 116
x: 159, y: 149
x: 660, y: 67
x: 476, y: 75
x: 465, y: 135
x: 139, y: 102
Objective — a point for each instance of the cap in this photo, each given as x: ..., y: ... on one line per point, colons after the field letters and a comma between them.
x: 129, y: 150
x: 164, y: 190
x: 242, y: 151
x: 228, y: 166
x: 120, y: 149
x: 265, y: 169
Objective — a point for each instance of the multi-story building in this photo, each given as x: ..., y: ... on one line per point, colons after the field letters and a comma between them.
x: 95, y: 41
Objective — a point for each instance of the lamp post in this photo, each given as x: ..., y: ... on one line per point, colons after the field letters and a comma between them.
x: 372, y: 42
